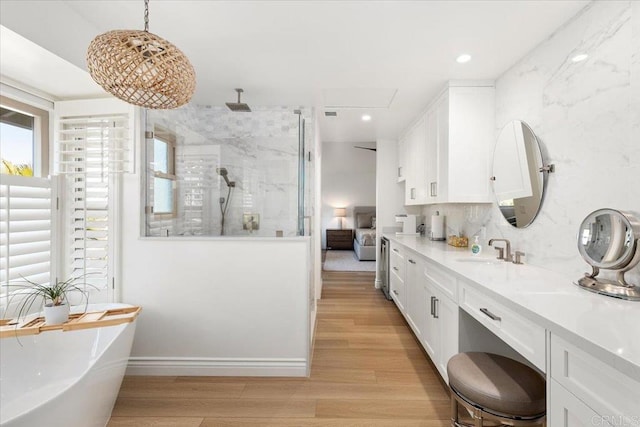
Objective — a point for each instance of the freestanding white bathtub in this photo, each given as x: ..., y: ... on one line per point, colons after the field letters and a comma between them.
x: 66, y: 379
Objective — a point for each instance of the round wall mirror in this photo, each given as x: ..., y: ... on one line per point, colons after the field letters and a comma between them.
x: 608, y: 239
x: 518, y: 174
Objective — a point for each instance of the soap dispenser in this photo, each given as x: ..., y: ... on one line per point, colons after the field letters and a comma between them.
x: 475, y: 247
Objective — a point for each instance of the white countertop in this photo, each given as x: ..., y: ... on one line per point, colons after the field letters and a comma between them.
x: 608, y: 328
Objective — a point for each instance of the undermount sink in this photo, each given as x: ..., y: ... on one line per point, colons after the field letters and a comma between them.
x: 488, y: 261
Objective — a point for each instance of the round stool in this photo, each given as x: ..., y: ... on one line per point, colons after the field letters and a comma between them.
x: 496, y: 388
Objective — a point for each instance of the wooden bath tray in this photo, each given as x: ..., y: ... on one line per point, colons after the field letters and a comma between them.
x: 90, y: 319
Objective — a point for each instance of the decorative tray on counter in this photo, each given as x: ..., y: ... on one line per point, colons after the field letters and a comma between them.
x: 93, y: 319
x: 458, y: 242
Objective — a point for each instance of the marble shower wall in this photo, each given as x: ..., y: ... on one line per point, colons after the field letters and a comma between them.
x: 587, y: 117
x: 260, y: 152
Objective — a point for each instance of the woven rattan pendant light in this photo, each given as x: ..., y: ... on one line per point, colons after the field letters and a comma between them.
x: 141, y: 68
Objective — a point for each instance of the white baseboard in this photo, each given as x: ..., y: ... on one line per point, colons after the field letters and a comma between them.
x: 204, y: 366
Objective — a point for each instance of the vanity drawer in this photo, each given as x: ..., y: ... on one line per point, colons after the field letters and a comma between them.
x: 397, y: 262
x: 442, y: 279
x: 603, y: 388
x: 397, y: 290
x: 523, y: 335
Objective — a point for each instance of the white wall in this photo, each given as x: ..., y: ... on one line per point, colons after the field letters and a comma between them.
x: 348, y: 180
x: 389, y: 192
x: 587, y: 116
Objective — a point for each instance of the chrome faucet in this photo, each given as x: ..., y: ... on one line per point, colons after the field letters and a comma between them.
x: 508, y: 256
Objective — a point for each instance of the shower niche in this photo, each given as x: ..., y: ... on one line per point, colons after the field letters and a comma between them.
x: 251, y: 222
x: 215, y: 172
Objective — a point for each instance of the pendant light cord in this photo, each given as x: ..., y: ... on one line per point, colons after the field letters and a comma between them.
x: 146, y: 15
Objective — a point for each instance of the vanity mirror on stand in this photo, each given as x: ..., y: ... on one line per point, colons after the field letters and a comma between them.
x: 518, y: 174
x: 609, y: 239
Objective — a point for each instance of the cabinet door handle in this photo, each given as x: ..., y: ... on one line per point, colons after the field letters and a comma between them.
x: 395, y: 292
x: 399, y: 172
x: 412, y: 261
x: 434, y: 189
x: 490, y: 314
x: 395, y: 268
x: 413, y: 193
x: 432, y: 304
x: 395, y: 250
x: 435, y: 307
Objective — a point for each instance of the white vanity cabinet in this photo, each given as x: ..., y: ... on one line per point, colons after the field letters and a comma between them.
x: 397, y: 267
x: 416, y: 299
x: 589, y: 389
x: 428, y: 301
x: 589, y: 379
x: 440, y: 338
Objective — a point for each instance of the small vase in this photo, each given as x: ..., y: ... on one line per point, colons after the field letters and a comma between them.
x: 56, y: 314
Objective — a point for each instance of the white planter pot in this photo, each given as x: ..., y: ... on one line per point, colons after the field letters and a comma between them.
x: 56, y: 314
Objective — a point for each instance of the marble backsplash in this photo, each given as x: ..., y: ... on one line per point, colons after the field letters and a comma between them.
x: 259, y: 150
x: 587, y: 117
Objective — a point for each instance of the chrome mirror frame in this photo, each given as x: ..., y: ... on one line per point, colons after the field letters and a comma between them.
x: 536, y: 170
x: 624, y: 253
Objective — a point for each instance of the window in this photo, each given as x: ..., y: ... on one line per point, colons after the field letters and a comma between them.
x: 27, y: 202
x: 164, y: 176
x: 24, y: 142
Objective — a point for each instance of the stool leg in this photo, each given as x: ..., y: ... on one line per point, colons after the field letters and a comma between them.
x: 454, y: 411
x: 477, y: 417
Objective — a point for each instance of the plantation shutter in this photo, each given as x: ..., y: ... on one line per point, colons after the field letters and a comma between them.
x: 93, y: 149
x: 27, y: 217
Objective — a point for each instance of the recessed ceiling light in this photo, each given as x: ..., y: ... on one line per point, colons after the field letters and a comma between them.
x: 366, y: 118
x: 465, y: 57
x: 580, y: 57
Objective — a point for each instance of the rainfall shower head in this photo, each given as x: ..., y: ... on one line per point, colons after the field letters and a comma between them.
x: 238, y: 106
x: 223, y: 173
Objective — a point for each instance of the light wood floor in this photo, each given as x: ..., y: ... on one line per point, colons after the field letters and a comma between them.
x: 367, y: 370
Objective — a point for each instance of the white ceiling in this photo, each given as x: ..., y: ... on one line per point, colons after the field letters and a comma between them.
x: 301, y: 52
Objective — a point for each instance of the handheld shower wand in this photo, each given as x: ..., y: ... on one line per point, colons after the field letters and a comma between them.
x: 223, y: 173
x: 224, y: 203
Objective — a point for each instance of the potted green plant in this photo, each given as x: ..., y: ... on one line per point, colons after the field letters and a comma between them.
x: 56, y: 305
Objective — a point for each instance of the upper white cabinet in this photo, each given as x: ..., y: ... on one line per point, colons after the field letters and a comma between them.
x: 415, y: 152
x: 402, y: 168
x: 446, y: 152
x: 431, y: 156
x: 466, y: 136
